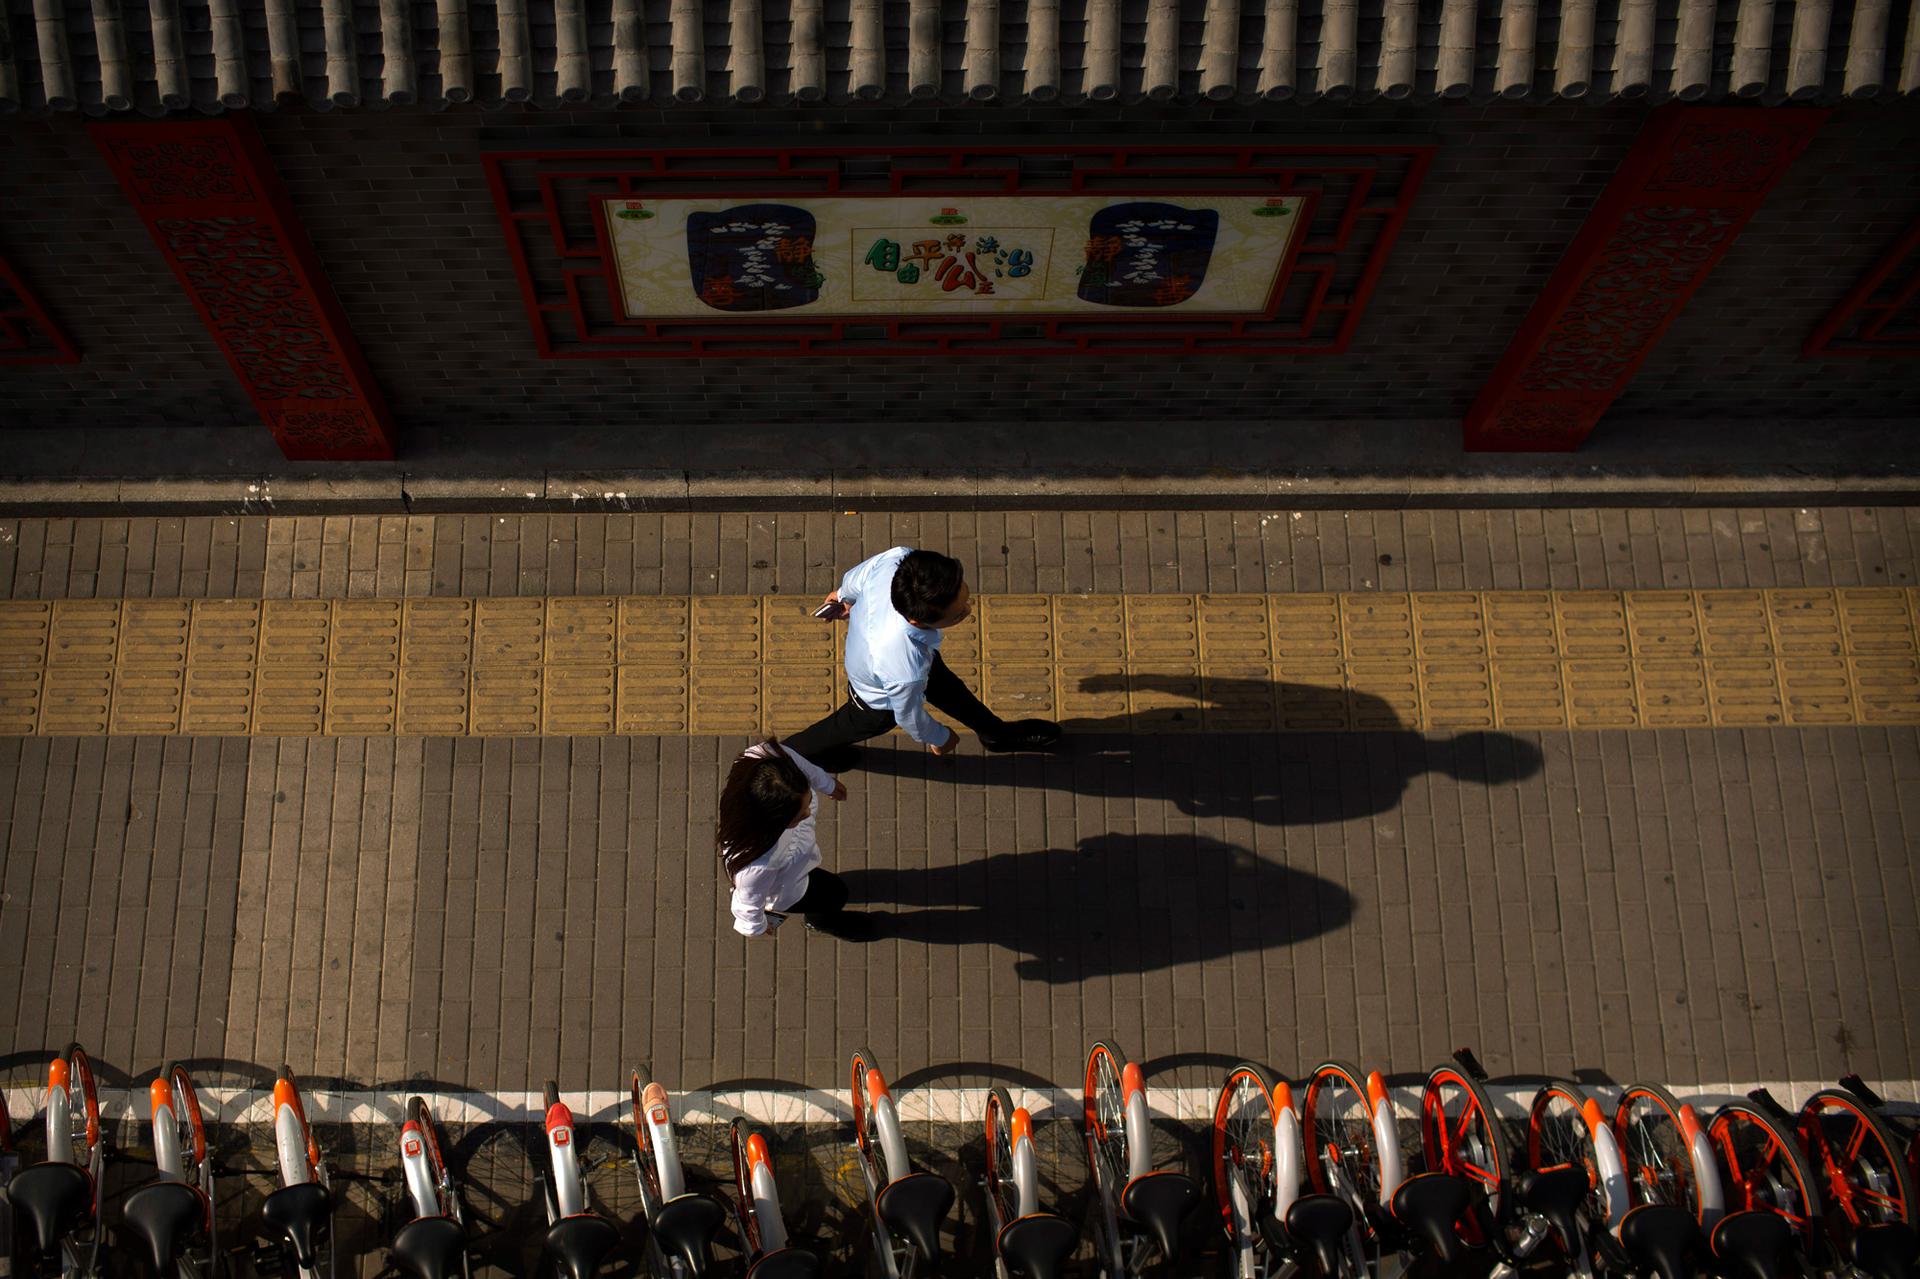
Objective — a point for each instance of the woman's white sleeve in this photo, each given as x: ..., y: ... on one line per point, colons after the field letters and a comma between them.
x: 749, y: 919
x: 818, y: 778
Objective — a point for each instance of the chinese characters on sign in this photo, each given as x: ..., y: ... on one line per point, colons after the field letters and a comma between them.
x: 900, y: 255
x: 951, y: 263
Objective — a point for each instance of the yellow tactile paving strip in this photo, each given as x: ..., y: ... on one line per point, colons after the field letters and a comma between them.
x: 748, y: 664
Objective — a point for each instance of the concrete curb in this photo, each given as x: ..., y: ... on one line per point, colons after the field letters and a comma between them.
x: 400, y: 493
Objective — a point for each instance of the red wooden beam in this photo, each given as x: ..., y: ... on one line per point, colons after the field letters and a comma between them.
x: 1694, y: 177
x: 28, y: 335
x: 1873, y: 320
x: 209, y: 195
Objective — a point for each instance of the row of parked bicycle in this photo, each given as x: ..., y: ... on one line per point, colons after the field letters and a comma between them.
x: 1323, y: 1188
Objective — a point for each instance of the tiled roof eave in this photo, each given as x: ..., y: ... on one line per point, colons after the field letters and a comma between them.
x: 128, y: 56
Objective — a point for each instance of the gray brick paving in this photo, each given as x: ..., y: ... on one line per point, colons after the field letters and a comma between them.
x: 1016, y: 551
x: 1691, y: 906
x: 1695, y: 906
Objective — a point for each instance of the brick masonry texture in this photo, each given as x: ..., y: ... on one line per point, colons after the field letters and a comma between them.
x: 1696, y: 906
x: 399, y: 213
x: 1005, y: 552
x: 1690, y: 907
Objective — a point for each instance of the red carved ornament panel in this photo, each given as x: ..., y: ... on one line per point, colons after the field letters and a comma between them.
x: 208, y: 194
x: 1693, y: 179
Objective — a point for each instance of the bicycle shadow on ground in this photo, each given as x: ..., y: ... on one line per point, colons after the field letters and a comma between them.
x: 1113, y: 904
x: 1269, y: 778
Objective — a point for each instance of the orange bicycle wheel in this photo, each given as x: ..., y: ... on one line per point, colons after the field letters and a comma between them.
x: 643, y: 1137
x: 1338, y: 1124
x: 1243, y: 1149
x: 999, y: 1132
x: 1653, y: 1146
x: 863, y: 1114
x: 1765, y: 1168
x: 739, y: 1133
x: 1558, y: 1137
x: 193, y: 1125
x: 82, y: 1067
x: 1461, y: 1136
x: 1859, y: 1164
x: 1105, y: 1110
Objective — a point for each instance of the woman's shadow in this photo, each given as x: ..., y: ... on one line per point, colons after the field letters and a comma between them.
x: 1112, y: 904
x: 1360, y: 768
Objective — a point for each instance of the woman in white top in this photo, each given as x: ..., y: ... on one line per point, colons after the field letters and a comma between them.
x: 766, y: 842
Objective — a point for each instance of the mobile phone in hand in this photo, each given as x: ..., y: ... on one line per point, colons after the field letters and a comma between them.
x: 829, y: 611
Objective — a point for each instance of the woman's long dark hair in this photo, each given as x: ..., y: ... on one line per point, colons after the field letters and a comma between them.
x: 762, y: 797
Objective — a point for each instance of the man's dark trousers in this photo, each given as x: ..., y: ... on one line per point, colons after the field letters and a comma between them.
x: 854, y: 722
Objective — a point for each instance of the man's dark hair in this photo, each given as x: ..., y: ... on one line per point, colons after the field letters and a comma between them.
x: 924, y: 586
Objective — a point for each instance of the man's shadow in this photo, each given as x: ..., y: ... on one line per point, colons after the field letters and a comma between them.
x: 1113, y: 904
x: 1272, y: 778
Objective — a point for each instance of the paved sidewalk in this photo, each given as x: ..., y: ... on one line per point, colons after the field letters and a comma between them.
x: 1692, y: 905
x: 1019, y: 552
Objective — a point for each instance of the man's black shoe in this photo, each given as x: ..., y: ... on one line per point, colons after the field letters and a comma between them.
x: 848, y: 925
x: 1024, y: 735
x: 837, y: 759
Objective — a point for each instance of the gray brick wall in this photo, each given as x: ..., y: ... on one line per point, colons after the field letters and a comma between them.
x: 398, y: 210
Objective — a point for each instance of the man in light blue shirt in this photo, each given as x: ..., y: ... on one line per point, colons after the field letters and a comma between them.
x: 896, y: 604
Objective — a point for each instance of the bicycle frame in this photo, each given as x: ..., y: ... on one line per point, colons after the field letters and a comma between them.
x: 1248, y: 1261
x: 681, y: 1224
x: 758, y: 1193
x: 423, y: 1188
x: 657, y: 1115
x: 79, y: 1259
x: 437, y: 1230
x: 297, y: 1153
x: 565, y: 1192
x: 1609, y: 1166
x: 1012, y: 1186
x: 1125, y: 1249
x: 175, y: 1105
x: 899, y: 1259
x: 1117, y: 1250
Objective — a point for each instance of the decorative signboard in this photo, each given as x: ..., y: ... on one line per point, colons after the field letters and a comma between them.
x: 1042, y: 250
x: 906, y: 255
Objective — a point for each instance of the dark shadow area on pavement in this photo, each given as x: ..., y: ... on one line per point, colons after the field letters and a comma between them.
x: 1112, y: 904
x: 1270, y: 778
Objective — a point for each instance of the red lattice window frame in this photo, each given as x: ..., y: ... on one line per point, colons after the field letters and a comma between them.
x: 28, y: 334
x: 1354, y: 201
x: 1878, y: 318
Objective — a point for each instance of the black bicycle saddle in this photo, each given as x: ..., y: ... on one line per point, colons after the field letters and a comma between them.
x: 430, y: 1247
x: 686, y: 1226
x: 1159, y: 1201
x: 165, y: 1214
x: 915, y: 1205
x: 1428, y: 1205
x: 1038, y: 1244
x: 788, y: 1263
x: 1555, y: 1195
x: 300, y: 1213
x: 52, y: 1199
x: 1319, y: 1226
x: 577, y: 1245
x: 1661, y: 1238
x: 1753, y: 1245
x: 1885, y: 1251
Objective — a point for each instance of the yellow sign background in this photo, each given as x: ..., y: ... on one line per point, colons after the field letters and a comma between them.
x: 650, y: 249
